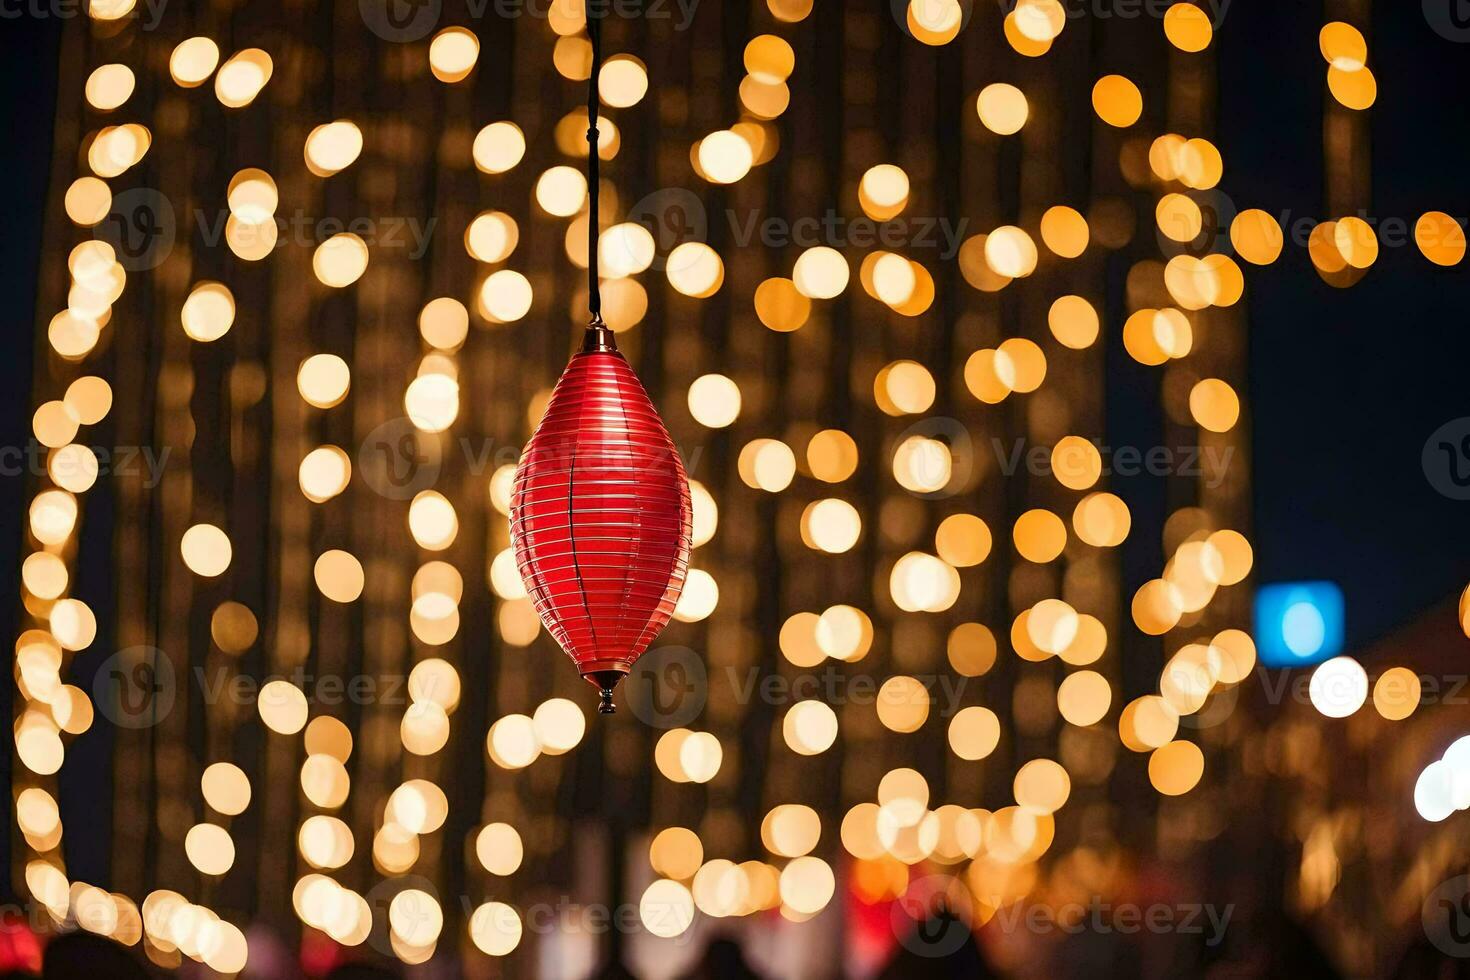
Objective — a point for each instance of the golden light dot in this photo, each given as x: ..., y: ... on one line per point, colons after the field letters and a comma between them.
x: 424, y: 729
x: 89, y: 399
x: 44, y: 575
x: 209, y: 848
x: 807, y: 885
x: 934, y: 22
x: 1076, y: 463
x: 676, y: 852
x: 1356, y: 90
x: 1157, y: 606
x: 923, y: 583
x: 1356, y: 242
x: 73, y: 467
x: 1064, y: 230
x: 416, y: 917
x: 1117, y: 101
x: 714, y: 400
x: 206, y: 550
x: 974, y: 733
x: 432, y: 520
x: 193, y: 61
x: 725, y: 157
x: 1176, y: 768
x: 781, y: 306
x: 498, y: 848
x: 769, y: 58
x: 1147, y: 723
x: 1052, y: 625
x: 1010, y: 252
x: 1073, y: 322
x: 282, y: 707
x: 495, y: 929
x: 623, y: 81
x: 72, y: 336
x: 625, y: 249
x: 53, y: 515
x: 962, y: 540
x: 767, y: 464
x: 893, y: 279
x: 1214, y: 405
x: 500, y: 146
x: 1235, y: 554
x: 88, y: 200
x: 338, y: 575
x: 329, y: 737
x: 1188, y: 27
x: 883, y: 191
x: 1041, y: 786
x: 700, y: 596
x: 832, y: 455
x: 1039, y: 535
x: 559, y: 725
x: 241, y: 78
x: 922, y: 464
x: 332, y: 147
x: 1256, y: 236
x: 340, y: 260
x: 512, y: 742
x: 1439, y: 236
x: 1083, y: 698
x: 904, y: 388
x: 1002, y: 108
x: 841, y: 632
x: 1396, y: 693
x: 324, y: 781
x: 324, y: 841
x: 1102, y: 520
x: 505, y: 296
x: 810, y: 727
x: 695, y: 269
x: 1179, y: 217
x: 323, y: 380
x: 444, y: 323
x: 109, y: 86
x: 208, y: 312
x: 54, y: 424
x: 831, y: 525
x: 453, y: 53
x: 1343, y: 46
x: 971, y: 649
x: 821, y: 272
x: 903, y: 704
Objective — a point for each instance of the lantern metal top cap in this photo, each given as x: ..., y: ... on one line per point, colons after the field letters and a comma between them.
x: 599, y: 338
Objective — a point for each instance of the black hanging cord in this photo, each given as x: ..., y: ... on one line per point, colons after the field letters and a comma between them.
x: 594, y: 33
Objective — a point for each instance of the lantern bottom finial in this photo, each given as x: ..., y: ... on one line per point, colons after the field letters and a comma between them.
x: 605, y: 681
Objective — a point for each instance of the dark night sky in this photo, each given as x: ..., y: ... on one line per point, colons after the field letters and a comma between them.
x: 1345, y: 386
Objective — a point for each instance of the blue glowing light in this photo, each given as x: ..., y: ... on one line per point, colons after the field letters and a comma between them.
x: 1298, y: 623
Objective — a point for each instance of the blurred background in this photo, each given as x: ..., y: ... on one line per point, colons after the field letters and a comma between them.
x: 1070, y: 393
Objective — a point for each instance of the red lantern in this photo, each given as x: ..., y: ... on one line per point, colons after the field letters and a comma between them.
x: 600, y: 516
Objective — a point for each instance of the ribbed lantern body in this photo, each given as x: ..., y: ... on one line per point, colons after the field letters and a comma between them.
x: 600, y: 516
